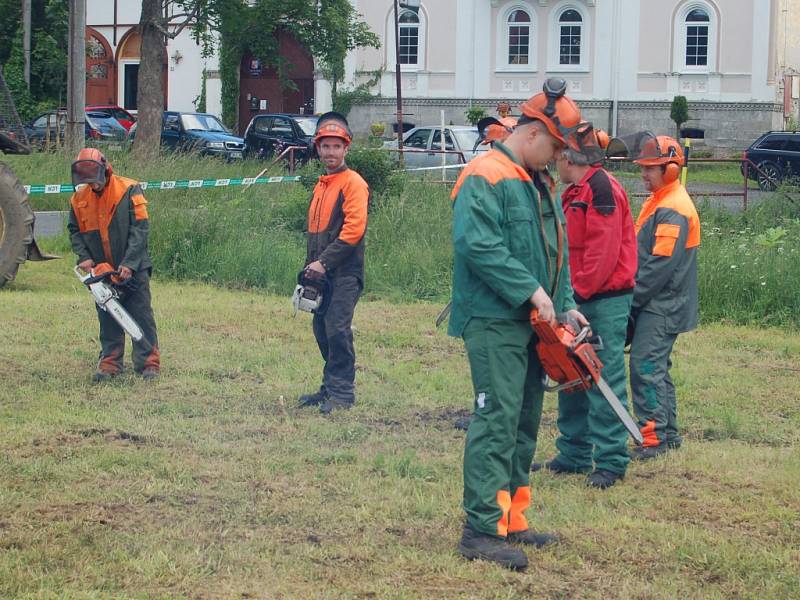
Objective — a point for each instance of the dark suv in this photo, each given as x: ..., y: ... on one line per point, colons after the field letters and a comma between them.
x: 267, y: 135
x: 777, y: 156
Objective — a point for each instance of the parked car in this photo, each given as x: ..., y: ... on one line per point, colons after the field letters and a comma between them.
x: 777, y: 156
x: 197, y: 132
x: 125, y: 118
x: 423, y: 140
x: 100, y: 127
x: 267, y: 135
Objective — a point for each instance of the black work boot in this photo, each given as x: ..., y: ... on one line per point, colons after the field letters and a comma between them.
x: 149, y: 374
x: 675, y: 443
x: 557, y: 468
x: 314, y: 399
x: 103, y: 376
x: 602, y: 479
x: 648, y: 452
x: 331, y: 404
x: 475, y: 545
x: 530, y: 538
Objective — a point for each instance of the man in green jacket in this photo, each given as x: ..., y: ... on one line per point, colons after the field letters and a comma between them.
x: 510, y: 256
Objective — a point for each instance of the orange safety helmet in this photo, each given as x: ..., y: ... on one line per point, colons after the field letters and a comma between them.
x: 552, y: 107
x: 90, y: 166
x: 333, y: 124
x: 495, y: 130
x: 662, y: 150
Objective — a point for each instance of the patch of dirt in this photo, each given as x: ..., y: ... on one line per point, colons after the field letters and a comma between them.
x: 92, y: 434
x: 443, y: 418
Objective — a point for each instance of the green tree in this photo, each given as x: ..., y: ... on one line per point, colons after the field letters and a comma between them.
x: 679, y: 112
x: 48, y: 84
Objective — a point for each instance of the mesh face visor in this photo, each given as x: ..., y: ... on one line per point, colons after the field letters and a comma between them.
x: 585, y: 146
x: 87, y: 172
x: 646, y: 149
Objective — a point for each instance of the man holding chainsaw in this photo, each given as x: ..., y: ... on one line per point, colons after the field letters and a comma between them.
x: 510, y: 257
x: 337, y: 223
x: 109, y: 227
x: 602, y: 262
x: 665, y: 297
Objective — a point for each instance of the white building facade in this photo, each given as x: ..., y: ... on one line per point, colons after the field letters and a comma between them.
x: 624, y: 60
x: 113, y: 56
x: 736, y: 61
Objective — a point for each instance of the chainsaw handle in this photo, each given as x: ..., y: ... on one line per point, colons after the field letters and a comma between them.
x: 95, y: 278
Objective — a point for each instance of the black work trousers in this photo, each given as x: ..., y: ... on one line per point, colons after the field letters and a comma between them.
x: 135, y: 299
x: 334, y: 334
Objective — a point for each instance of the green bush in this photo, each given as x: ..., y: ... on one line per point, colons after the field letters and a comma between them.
x: 376, y: 166
x: 474, y: 114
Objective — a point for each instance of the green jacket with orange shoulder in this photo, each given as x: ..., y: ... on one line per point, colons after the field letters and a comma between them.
x: 111, y: 227
x: 668, y: 237
x: 337, y: 223
x: 508, y: 239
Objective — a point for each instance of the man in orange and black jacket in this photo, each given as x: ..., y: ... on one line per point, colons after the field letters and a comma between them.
x: 337, y: 223
x: 108, y: 223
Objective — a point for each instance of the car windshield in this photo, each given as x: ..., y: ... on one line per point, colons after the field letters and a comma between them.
x: 309, y: 126
x: 466, y: 138
x: 201, y: 123
x: 98, y: 118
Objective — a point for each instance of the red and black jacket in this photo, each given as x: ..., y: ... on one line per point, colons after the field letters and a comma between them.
x: 337, y: 223
x: 601, y: 237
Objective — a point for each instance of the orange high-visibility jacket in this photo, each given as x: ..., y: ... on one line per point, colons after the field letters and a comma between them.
x: 112, y: 227
x: 337, y: 223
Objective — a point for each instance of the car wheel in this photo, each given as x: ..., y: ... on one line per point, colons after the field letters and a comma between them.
x: 769, y: 176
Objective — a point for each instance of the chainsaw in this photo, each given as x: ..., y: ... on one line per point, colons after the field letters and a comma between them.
x: 107, y: 298
x: 312, y: 292
x: 568, y: 355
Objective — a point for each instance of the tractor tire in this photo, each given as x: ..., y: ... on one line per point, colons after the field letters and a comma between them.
x: 16, y: 225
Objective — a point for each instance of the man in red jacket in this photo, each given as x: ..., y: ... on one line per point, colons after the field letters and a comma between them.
x: 602, y: 264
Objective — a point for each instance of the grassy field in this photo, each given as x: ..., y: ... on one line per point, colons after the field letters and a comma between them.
x: 209, y: 483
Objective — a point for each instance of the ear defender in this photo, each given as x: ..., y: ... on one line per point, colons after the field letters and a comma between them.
x: 671, y: 172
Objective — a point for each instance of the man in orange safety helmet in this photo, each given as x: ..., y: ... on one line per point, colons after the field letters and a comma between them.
x: 509, y: 257
x: 665, y: 301
x: 109, y: 229
x: 336, y: 225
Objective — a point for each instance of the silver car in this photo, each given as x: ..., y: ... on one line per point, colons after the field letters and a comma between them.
x: 420, y: 142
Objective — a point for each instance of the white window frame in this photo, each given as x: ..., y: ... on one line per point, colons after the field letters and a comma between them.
x: 501, y: 47
x: 680, y: 28
x: 422, y: 33
x: 554, y: 34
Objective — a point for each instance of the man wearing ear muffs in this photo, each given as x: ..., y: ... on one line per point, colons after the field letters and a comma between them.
x: 665, y: 296
x: 337, y: 223
x: 109, y: 228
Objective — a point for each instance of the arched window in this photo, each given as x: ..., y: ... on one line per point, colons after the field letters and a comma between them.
x: 695, y: 36
x: 570, y: 29
x: 518, y: 34
x: 409, y: 38
x: 697, y: 24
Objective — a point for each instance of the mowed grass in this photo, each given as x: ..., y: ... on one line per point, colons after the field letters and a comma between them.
x: 209, y: 483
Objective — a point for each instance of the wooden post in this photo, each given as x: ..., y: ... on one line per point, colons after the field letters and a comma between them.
x: 26, y: 40
x: 76, y: 77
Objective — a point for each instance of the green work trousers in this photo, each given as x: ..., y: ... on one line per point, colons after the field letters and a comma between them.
x: 501, y: 440
x: 651, y: 385
x: 590, y: 431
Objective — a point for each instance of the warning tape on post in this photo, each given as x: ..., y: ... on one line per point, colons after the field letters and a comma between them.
x: 178, y: 184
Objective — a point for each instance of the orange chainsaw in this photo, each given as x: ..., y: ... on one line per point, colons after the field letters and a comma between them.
x: 567, y: 353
